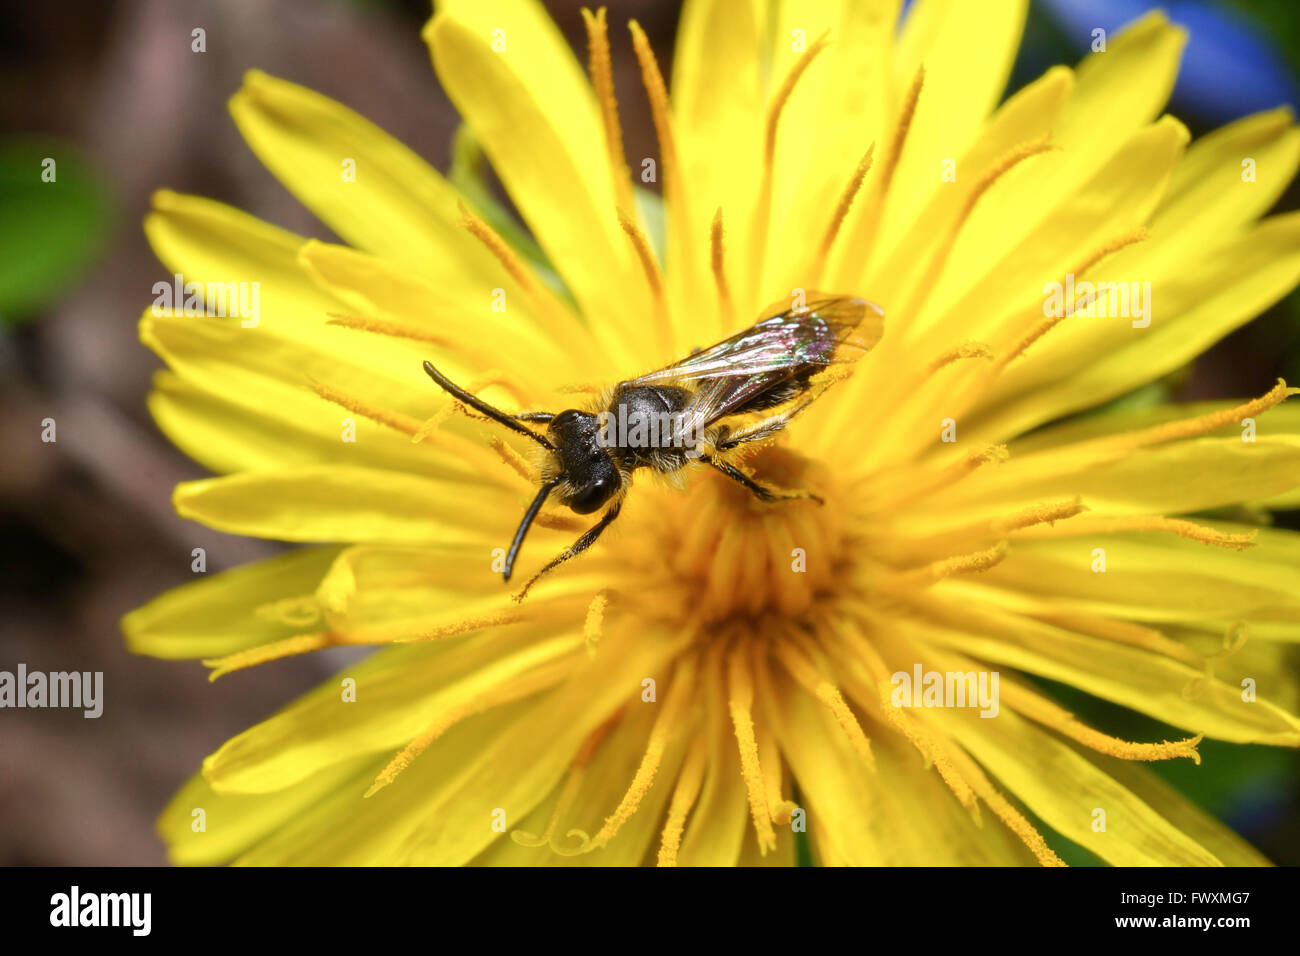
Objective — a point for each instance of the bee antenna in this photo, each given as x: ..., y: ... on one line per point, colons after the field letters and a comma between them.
x: 473, y: 401
x: 527, y: 523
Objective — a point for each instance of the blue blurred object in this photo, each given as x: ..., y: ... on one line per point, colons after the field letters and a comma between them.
x: 1230, y: 65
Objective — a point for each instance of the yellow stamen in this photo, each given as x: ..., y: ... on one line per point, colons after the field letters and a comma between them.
x: 740, y: 701
x: 298, y: 611
x: 901, y: 129
x: 602, y: 78
x: 682, y: 243
x: 1178, y: 526
x: 964, y: 351
x: 1124, y: 632
x: 683, y: 799
x: 572, y: 783
x: 577, y: 771
x: 803, y: 671
x: 543, y: 301
x: 511, y: 457
x: 783, y: 93
x: 397, y: 633
x: 397, y: 330
x: 520, y: 687
x: 667, y: 724
x: 932, y: 750
x: 1190, y: 427
x: 1008, y: 814
x: 394, y: 420
x: 1043, y: 711
x: 1234, y: 639
x: 477, y: 622
x: 868, y: 228
x: 906, y: 485
x: 654, y: 278
x: 657, y: 92
x: 872, y: 671
x: 485, y: 234
x: 845, y: 204
x: 285, y: 647
x: 591, y: 629
x: 769, y: 761
x: 996, y: 527
x: 718, y: 263
x: 936, y: 571
x: 939, y: 258
x: 486, y: 380
x: 1046, y: 325
x: 763, y: 215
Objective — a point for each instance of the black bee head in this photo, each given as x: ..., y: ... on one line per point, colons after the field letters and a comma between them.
x: 591, y: 477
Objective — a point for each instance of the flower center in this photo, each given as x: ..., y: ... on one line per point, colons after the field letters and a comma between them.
x: 722, y: 553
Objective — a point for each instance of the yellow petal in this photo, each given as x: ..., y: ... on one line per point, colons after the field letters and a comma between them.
x: 1064, y: 789
x: 345, y: 503
x: 1230, y: 849
x: 967, y: 51
x: 1194, y: 303
x: 719, y: 138
x: 515, y: 771
x: 207, y: 241
x: 902, y: 815
x: 273, y: 381
x: 231, y: 432
x: 603, y: 783
x: 226, y: 612
x: 1152, y: 684
x: 1177, y: 478
x: 399, y: 692
x: 478, y: 336
x: 848, y: 96
x: 231, y: 824
x: 1210, y: 192
x: 343, y: 828
x: 1281, y: 419
x: 718, y: 826
x: 538, y: 121
x: 388, y: 201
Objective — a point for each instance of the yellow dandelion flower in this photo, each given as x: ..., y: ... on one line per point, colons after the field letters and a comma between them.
x: 718, y: 674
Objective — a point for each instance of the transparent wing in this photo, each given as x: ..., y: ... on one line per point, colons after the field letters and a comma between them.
x: 828, y: 330
x: 718, y: 397
x: 741, y: 369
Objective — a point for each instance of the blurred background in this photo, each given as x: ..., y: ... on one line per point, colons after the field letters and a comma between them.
x: 113, y: 92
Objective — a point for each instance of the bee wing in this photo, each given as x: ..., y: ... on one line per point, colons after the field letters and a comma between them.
x: 718, y: 397
x: 828, y: 330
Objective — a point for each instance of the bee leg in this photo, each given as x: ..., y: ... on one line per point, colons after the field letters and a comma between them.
x: 763, y: 494
x: 543, y: 417
x: 763, y: 429
x: 587, y: 539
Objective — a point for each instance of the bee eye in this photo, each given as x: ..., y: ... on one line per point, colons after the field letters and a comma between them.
x: 592, y: 495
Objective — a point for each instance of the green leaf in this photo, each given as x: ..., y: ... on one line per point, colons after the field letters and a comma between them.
x: 56, y: 210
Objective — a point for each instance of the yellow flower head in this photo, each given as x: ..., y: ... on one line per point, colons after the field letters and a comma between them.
x: 720, y: 678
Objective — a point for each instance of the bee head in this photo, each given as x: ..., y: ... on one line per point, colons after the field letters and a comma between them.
x: 591, y: 477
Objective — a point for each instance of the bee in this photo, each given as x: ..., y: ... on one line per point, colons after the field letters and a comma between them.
x: 692, y: 412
